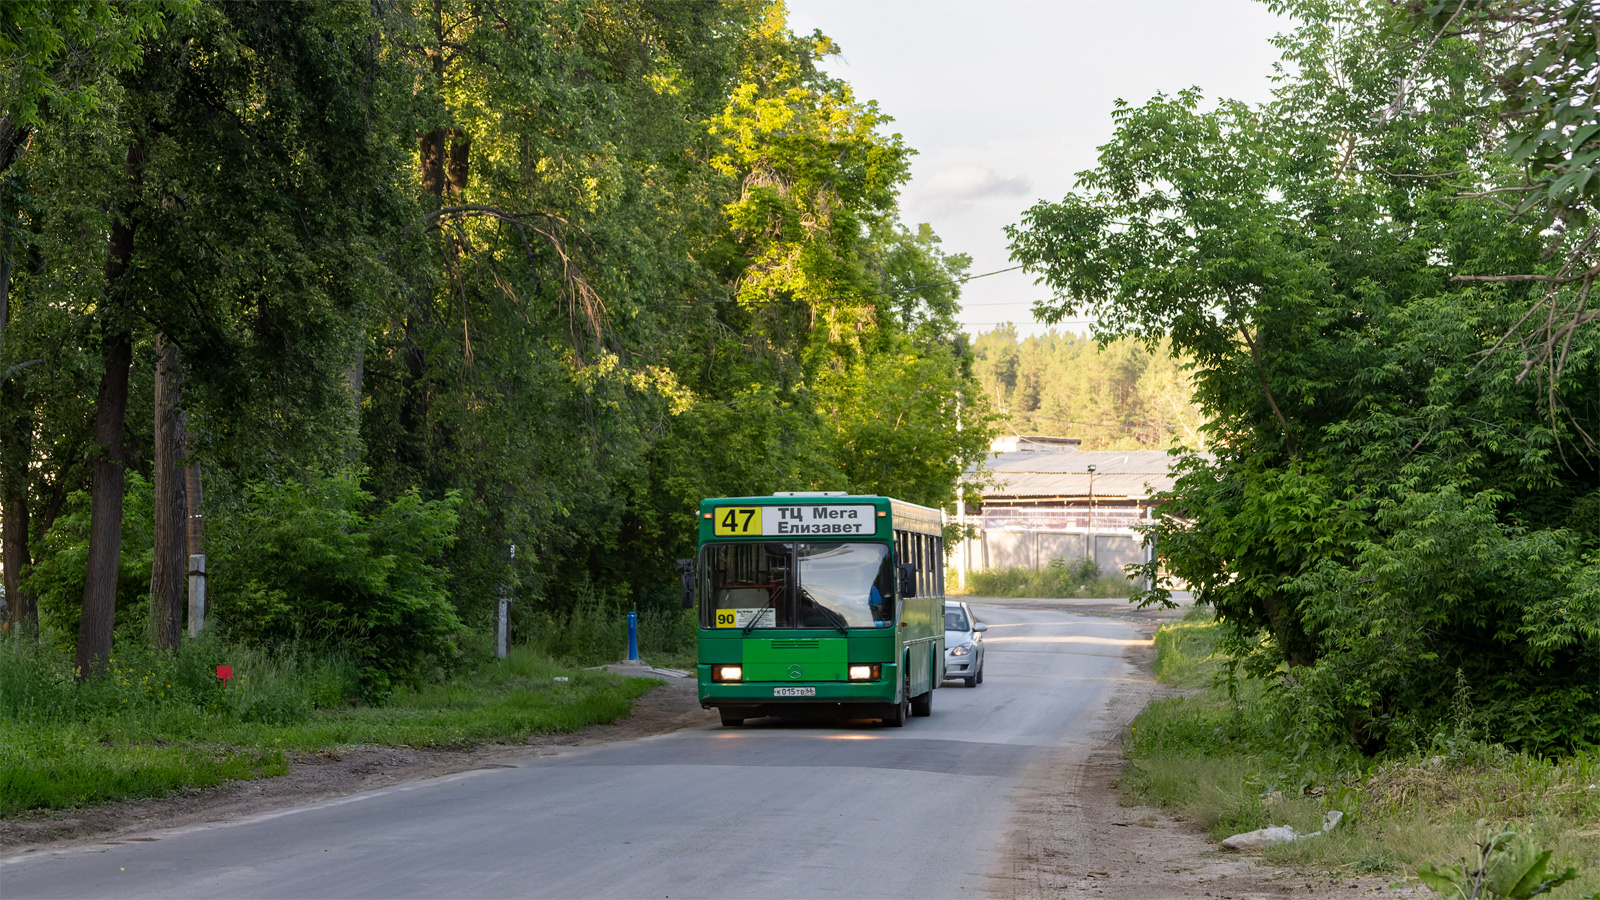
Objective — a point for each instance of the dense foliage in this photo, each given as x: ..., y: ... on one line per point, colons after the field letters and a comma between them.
x: 1395, y: 521
x: 442, y: 300
x: 1119, y: 395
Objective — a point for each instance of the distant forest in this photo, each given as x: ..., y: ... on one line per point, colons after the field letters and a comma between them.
x: 1123, y: 396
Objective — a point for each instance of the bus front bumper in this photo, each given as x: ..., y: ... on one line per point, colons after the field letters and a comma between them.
x: 789, y: 694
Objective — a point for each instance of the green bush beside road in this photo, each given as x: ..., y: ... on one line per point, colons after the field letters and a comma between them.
x: 1233, y: 756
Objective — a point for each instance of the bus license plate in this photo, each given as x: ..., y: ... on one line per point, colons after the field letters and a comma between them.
x: 794, y: 692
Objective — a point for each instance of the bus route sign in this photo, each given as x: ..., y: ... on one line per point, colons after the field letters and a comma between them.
x: 795, y: 521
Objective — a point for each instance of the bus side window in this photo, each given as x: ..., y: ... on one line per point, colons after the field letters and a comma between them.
x: 914, y: 545
x: 938, y: 566
x: 924, y: 583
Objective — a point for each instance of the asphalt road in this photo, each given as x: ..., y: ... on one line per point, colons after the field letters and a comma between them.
x: 770, y: 809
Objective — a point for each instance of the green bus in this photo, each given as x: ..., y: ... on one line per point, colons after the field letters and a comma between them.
x: 818, y: 601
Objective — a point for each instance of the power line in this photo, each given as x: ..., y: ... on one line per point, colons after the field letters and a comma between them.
x: 909, y: 290
x: 1021, y: 322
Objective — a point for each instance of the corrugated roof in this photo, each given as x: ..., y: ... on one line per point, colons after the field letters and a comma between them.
x: 1059, y: 484
x: 1065, y: 473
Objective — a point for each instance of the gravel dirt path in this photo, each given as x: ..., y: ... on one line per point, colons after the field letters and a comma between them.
x: 1072, y: 835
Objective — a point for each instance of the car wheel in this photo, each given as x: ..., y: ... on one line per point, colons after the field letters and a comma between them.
x: 970, y: 681
x: 729, y: 718
x: 978, y: 678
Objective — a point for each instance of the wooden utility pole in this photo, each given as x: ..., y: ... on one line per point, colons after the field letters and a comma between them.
x: 171, y: 509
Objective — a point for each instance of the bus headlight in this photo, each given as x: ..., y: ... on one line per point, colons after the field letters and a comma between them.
x: 864, y: 673
x: 727, y: 673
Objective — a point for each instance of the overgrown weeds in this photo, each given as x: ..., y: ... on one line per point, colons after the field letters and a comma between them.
x: 1062, y: 578
x: 158, y: 722
x: 595, y: 632
x: 1232, y: 755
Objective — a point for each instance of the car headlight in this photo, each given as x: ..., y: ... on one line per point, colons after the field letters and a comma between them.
x: 961, y: 649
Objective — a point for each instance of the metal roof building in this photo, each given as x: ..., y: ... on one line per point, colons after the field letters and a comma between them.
x: 1041, y: 500
x: 1034, y: 476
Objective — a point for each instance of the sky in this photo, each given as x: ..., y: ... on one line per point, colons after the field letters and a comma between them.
x: 1005, y: 101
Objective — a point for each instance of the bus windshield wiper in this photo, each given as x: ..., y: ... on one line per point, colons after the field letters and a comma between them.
x: 750, y: 625
x: 838, y: 620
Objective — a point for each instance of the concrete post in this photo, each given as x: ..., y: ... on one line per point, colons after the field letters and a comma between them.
x: 1149, y: 546
x: 502, y: 623
x: 966, y: 544
x: 197, y: 594
x: 500, y: 626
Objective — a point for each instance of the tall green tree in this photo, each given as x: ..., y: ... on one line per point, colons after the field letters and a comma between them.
x: 1542, y: 74
x: 61, y: 61
x: 258, y: 108
x: 1390, y: 514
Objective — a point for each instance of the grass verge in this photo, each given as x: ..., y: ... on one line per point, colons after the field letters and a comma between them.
x: 159, y: 723
x: 1053, y: 582
x: 1221, y: 757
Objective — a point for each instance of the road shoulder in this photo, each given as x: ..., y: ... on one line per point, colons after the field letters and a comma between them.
x: 320, y: 776
x: 1072, y: 836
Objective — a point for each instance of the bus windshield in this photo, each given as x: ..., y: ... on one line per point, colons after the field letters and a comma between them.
x: 803, y: 585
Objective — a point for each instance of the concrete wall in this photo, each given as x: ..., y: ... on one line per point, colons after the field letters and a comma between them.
x: 1034, y: 549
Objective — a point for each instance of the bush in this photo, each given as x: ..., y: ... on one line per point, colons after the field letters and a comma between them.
x: 320, y: 561
x: 1235, y: 753
x: 271, y: 686
x: 161, y: 721
x: 1062, y: 578
x: 58, y: 575
x: 595, y: 632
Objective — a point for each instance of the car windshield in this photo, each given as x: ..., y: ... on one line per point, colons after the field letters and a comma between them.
x: 803, y: 585
x: 955, y: 619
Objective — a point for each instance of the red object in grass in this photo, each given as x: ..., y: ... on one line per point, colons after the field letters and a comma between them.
x: 224, y: 672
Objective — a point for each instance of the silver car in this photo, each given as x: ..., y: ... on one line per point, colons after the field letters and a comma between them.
x: 963, y: 643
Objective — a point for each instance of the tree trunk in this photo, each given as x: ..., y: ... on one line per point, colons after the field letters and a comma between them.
x: 111, y: 411
x: 22, y: 609
x: 460, y: 163
x: 16, y: 428
x: 171, y: 561
x: 16, y: 439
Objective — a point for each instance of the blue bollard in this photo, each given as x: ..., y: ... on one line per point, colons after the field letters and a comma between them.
x: 633, y: 636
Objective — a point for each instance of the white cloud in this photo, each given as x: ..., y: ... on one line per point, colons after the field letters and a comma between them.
x: 960, y: 185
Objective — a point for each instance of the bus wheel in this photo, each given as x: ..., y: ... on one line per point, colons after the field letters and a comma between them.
x: 897, y: 714
x: 922, y: 705
x: 729, y: 718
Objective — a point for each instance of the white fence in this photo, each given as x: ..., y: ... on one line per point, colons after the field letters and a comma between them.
x: 1026, y: 538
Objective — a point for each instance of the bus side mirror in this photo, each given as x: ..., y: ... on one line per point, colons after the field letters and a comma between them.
x: 908, y: 579
x: 686, y: 567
